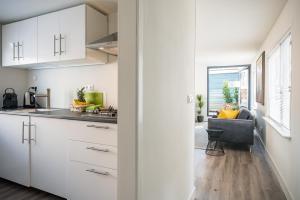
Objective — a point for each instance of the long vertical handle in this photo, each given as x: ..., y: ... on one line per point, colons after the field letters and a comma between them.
x: 14, y: 51
x: 18, y: 44
x: 54, y: 44
x: 23, y: 125
x: 23, y: 132
x: 33, y: 138
x: 60, y: 39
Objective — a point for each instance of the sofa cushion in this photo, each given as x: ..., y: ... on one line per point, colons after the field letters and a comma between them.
x: 245, y: 114
x: 228, y: 114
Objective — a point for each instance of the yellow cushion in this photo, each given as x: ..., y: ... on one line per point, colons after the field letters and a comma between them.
x: 228, y: 114
x: 222, y: 114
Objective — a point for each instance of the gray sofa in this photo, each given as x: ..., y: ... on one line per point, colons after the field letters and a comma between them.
x: 238, y: 131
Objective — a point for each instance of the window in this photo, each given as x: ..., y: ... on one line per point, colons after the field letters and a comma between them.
x: 237, y: 78
x: 280, y: 83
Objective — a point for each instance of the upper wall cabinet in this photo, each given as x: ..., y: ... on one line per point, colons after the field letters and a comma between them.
x: 19, y: 43
x: 60, y: 39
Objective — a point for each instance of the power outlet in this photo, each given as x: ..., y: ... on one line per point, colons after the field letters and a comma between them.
x: 89, y: 87
x: 190, y: 99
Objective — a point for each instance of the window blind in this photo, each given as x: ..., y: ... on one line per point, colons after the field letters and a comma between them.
x: 275, y: 85
x: 286, y: 81
x: 280, y: 83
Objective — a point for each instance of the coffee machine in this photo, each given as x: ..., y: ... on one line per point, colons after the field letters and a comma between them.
x: 29, y: 98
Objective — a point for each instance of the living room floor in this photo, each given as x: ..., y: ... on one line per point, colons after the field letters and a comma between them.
x: 238, y: 175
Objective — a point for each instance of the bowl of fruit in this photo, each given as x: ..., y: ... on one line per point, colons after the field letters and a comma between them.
x: 79, y: 104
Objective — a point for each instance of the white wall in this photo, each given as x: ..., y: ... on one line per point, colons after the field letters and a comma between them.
x: 8, y: 79
x: 166, y: 120
x: 285, y: 152
x: 127, y: 94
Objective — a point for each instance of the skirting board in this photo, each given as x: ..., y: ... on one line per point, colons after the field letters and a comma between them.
x: 276, y: 171
x: 193, y: 194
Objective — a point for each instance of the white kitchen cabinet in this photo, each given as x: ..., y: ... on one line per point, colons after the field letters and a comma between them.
x: 72, y: 33
x: 19, y: 43
x: 28, y: 41
x: 92, y: 161
x: 9, y: 43
x: 94, y: 132
x: 49, y: 155
x: 90, y: 182
x: 55, y: 39
x: 48, y: 37
x: 14, y: 149
x: 68, y: 158
x: 63, y: 35
x: 95, y: 154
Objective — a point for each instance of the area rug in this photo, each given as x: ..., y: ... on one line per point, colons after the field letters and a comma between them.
x: 201, y: 138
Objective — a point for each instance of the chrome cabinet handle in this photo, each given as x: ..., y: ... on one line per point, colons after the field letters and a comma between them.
x: 18, y: 51
x: 98, y: 149
x: 95, y: 126
x: 20, y: 45
x: 33, y: 139
x: 14, y: 51
x: 23, y: 124
x: 97, y: 172
x: 23, y: 132
x: 54, y: 41
x: 60, y: 39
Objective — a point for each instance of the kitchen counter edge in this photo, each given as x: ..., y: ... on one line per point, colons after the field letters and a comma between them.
x: 67, y: 116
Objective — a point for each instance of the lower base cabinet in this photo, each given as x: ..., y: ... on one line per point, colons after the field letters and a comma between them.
x: 14, y: 149
x: 49, y: 155
x: 76, y: 160
x: 91, y: 182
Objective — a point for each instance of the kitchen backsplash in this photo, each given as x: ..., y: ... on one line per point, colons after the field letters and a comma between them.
x: 13, y: 78
x: 64, y: 82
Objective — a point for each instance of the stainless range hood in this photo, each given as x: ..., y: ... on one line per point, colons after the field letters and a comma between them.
x: 107, y: 44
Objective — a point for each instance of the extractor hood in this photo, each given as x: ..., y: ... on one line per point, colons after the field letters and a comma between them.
x: 107, y: 44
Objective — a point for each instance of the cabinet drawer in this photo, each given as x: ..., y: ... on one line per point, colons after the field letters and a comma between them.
x: 90, y: 183
x: 101, y: 155
x: 94, y: 132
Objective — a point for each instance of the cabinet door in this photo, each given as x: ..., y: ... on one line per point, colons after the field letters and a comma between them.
x: 72, y: 30
x: 9, y: 45
x: 49, y: 155
x: 48, y: 37
x: 27, y: 30
x: 88, y: 182
x: 14, y: 154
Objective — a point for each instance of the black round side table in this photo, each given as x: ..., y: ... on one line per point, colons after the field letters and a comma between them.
x: 214, y: 146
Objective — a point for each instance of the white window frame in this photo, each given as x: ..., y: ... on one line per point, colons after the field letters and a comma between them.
x: 278, y: 125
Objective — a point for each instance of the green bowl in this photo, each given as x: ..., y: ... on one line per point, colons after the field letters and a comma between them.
x: 95, y: 98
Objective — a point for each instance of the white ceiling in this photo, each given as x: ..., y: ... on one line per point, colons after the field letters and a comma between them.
x: 233, y: 30
x: 14, y: 10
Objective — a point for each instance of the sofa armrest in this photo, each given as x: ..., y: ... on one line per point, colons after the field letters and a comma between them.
x: 213, y: 123
x: 235, y: 130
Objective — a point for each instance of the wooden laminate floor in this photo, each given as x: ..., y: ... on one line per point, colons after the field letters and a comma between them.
x: 238, y: 175
x: 12, y: 191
